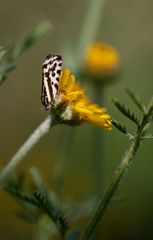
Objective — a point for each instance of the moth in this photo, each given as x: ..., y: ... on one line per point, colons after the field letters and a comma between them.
x: 51, y: 71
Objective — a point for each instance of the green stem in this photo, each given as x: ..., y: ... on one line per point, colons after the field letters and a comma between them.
x: 90, y: 26
x: 117, y: 177
x: 98, y: 142
x: 44, y: 229
x: 42, y: 129
x: 64, y: 160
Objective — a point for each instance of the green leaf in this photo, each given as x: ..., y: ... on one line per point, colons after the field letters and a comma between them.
x: 5, y: 70
x: 28, y: 215
x: 2, y: 53
x: 125, y: 111
x: 119, y: 126
x: 48, y: 200
x: 150, y: 136
x: 2, y: 79
x: 38, y: 180
x: 15, y: 50
x: 55, y: 214
x: 136, y: 100
x: 45, y: 205
x: 16, y: 182
x: 150, y: 109
x: 21, y: 196
x: 32, y: 38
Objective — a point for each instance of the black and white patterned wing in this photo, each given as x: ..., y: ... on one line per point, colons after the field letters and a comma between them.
x: 51, y: 70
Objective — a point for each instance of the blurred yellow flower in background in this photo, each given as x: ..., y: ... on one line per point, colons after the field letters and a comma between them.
x: 101, y: 60
x: 72, y: 106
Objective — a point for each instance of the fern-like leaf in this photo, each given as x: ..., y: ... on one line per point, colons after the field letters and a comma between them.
x: 136, y: 100
x: 55, y: 214
x: 126, y: 111
x: 5, y: 70
x: 119, y: 126
x: 21, y: 196
x: 41, y: 202
x: 31, y: 38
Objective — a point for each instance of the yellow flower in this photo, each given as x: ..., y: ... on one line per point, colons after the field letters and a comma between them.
x: 101, y: 59
x: 72, y: 106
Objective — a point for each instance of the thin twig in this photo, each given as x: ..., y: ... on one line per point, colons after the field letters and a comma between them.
x: 42, y: 129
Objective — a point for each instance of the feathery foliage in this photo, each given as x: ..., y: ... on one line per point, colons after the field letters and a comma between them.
x: 124, y: 165
x: 136, y: 100
x: 43, y: 203
x: 119, y: 126
x: 13, y: 51
x: 125, y: 111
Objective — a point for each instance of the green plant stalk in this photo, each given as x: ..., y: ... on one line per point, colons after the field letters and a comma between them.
x: 64, y: 160
x: 118, y: 176
x: 98, y: 142
x: 42, y: 130
x: 44, y: 230
x: 92, y: 19
x: 90, y: 26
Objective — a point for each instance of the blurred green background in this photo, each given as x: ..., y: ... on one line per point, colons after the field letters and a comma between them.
x: 126, y: 25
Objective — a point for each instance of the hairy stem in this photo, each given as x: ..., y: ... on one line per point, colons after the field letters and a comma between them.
x: 118, y: 176
x: 42, y: 129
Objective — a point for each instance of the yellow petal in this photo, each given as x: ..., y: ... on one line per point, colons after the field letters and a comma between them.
x: 99, y: 122
x: 76, y: 96
x: 105, y: 116
x: 64, y: 78
x: 72, y: 105
x: 69, y: 84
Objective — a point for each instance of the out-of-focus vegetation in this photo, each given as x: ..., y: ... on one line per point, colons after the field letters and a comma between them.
x: 66, y: 157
